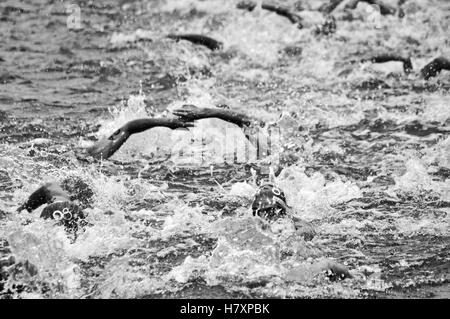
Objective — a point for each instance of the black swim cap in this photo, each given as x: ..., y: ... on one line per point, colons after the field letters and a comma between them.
x: 269, y: 202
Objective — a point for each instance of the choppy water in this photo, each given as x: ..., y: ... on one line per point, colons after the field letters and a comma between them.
x: 365, y: 151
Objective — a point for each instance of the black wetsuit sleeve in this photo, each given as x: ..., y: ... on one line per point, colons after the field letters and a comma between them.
x: 208, y: 42
x: 234, y: 117
x: 141, y: 125
x: 106, y: 147
x: 284, y: 12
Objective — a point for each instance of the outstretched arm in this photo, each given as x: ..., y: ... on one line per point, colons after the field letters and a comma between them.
x: 295, y: 19
x: 141, y: 125
x: 191, y: 113
x: 106, y: 147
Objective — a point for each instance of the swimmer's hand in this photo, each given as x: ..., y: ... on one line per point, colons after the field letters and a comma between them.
x: 295, y: 19
x: 141, y: 125
x: 191, y: 113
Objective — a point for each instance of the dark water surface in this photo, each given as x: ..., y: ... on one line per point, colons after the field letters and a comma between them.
x: 364, y: 153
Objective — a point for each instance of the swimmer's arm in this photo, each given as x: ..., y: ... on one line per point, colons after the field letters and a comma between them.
x: 282, y: 12
x: 385, y: 58
x: 141, y: 125
x: 192, y: 113
x: 106, y: 147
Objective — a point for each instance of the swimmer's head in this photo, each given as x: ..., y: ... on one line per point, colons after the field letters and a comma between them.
x: 106, y: 147
x: 269, y: 202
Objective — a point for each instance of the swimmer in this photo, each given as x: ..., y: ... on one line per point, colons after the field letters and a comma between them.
x: 60, y: 208
x: 190, y: 112
x: 269, y: 203
x: 295, y: 19
x: 282, y: 11
x: 430, y: 70
x: 60, y: 205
